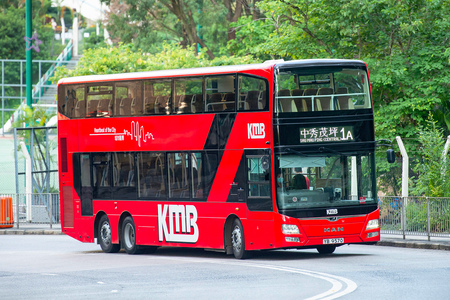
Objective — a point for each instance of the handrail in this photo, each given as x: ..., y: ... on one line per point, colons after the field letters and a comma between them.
x: 43, y: 84
x: 66, y: 55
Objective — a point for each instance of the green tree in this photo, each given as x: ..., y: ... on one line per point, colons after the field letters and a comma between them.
x: 404, y: 43
x: 123, y: 58
x: 38, y: 117
x: 433, y: 169
x: 149, y: 23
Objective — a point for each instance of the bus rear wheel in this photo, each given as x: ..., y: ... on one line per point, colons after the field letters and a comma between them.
x: 104, y: 236
x: 129, y: 237
x: 326, y: 249
x: 238, y: 240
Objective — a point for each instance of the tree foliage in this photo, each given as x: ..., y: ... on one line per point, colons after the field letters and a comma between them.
x: 12, y: 27
x: 150, y: 23
x: 433, y: 169
x: 405, y: 44
x: 123, y: 58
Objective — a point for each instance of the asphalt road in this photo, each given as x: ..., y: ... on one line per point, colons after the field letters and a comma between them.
x: 58, y: 267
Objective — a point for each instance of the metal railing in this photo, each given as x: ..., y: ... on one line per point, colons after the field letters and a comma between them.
x: 13, y: 85
x: 30, y: 209
x: 420, y: 216
x: 425, y: 216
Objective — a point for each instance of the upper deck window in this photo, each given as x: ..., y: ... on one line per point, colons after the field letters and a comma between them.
x: 220, y: 93
x: 321, y: 89
x: 252, y: 93
x: 164, y: 96
x: 99, y: 101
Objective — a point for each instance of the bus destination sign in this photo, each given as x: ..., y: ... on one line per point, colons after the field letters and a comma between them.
x: 324, y: 134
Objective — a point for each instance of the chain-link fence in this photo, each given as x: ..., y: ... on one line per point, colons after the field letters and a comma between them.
x: 427, y: 216
x: 24, y: 208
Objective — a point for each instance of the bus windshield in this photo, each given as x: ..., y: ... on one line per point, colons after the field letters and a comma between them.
x: 321, y: 89
x: 328, y: 180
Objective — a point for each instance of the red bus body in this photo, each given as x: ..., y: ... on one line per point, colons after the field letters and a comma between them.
x: 208, y: 222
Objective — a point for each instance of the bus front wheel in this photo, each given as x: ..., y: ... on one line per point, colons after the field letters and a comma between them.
x: 104, y: 236
x: 238, y: 240
x: 326, y: 249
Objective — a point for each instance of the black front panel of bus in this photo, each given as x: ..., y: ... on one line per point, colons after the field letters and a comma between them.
x: 353, y: 132
x: 322, y: 211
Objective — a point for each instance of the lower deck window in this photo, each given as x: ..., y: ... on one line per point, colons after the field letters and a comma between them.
x: 144, y: 175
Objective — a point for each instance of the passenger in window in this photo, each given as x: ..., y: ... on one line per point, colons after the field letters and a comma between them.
x: 300, y: 181
x: 280, y: 181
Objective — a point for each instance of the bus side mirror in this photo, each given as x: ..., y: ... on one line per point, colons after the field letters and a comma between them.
x: 265, y: 162
x: 390, y: 155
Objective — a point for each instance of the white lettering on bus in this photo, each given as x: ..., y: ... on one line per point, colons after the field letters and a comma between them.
x: 185, y: 219
x: 136, y: 132
x: 256, y: 130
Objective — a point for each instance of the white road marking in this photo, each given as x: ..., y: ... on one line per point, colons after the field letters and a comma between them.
x: 340, y: 286
x: 336, y: 281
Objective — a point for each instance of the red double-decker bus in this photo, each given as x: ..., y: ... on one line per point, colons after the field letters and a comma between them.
x: 237, y: 158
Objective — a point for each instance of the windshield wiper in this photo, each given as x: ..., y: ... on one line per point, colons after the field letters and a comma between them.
x: 289, y: 150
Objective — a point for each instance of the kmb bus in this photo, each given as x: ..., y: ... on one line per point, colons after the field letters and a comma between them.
x: 238, y: 158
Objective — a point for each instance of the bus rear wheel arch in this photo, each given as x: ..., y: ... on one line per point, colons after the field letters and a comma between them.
x: 128, y: 237
x: 104, y: 236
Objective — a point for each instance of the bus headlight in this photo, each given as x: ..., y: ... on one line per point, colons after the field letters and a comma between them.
x: 290, y: 229
x: 373, y: 224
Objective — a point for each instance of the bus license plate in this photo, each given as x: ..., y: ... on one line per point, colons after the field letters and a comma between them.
x: 333, y: 241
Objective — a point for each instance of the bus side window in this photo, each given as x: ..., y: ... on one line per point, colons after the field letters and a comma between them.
x: 179, y: 175
x: 128, y: 98
x: 124, y: 176
x: 220, y: 93
x: 252, y: 93
x: 162, y: 97
x: 151, y: 175
x: 258, y: 180
x: 186, y: 99
x: 99, y: 101
x: 101, y: 174
x: 71, y: 100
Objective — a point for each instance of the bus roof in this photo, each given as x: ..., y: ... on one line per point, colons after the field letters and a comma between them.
x: 266, y: 66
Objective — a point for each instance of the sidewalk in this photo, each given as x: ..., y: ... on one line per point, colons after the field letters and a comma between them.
x: 392, y: 240
x: 415, y: 241
x: 31, y: 228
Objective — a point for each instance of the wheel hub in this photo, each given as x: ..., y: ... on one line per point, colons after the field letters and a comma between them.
x: 236, y: 238
x: 106, y: 233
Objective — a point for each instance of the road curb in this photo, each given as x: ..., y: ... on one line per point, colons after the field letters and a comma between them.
x: 414, y: 244
x: 30, y: 232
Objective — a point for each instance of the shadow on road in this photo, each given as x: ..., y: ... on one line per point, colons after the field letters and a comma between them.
x: 290, y: 254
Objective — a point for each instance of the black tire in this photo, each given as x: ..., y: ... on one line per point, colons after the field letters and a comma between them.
x: 104, y: 236
x: 129, y: 237
x: 238, y: 240
x: 326, y: 249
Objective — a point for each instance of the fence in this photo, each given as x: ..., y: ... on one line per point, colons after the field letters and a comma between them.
x: 34, y: 208
x: 426, y: 216
x: 13, y: 85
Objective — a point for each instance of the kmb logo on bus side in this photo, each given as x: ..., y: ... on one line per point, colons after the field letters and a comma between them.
x: 185, y: 219
x: 256, y: 130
